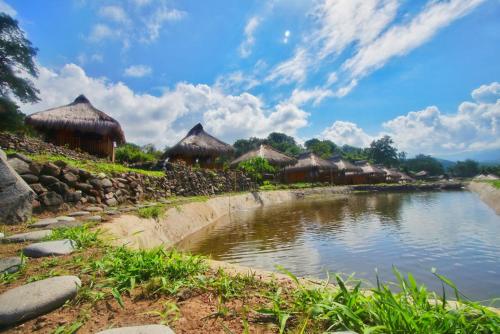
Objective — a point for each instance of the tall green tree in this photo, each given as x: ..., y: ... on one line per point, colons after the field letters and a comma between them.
x: 323, y: 148
x: 382, y: 151
x: 467, y: 168
x: 16, y: 62
x: 284, y: 143
x: 423, y: 162
x: 242, y: 146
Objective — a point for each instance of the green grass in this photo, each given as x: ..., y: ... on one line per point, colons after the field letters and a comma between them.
x: 93, y: 166
x: 413, y: 309
x: 83, y: 236
x: 494, y: 183
x: 162, y: 270
x: 156, y: 212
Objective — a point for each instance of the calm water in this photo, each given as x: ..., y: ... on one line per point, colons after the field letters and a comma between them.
x: 452, y: 231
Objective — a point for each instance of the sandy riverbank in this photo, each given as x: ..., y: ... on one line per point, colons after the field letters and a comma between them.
x: 487, y: 193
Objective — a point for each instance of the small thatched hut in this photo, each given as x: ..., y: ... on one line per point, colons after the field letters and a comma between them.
x: 310, y: 168
x: 198, y: 147
x: 405, y: 178
x: 391, y: 175
x: 373, y: 174
x: 79, y: 125
x: 274, y: 157
x: 348, y: 173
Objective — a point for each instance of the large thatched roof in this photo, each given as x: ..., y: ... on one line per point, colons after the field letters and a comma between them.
x: 198, y: 143
x: 391, y: 173
x: 370, y: 169
x: 79, y: 115
x: 309, y: 161
x: 267, y: 152
x: 345, y: 165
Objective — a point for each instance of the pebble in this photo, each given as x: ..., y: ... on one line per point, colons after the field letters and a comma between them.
x: 9, y: 265
x: 94, y: 209
x: 79, y: 213
x: 28, y: 236
x: 112, y: 212
x: 93, y: 218
x: 65, y: 219
x: 147, y: 329
x: 50, y: 248
x: 31, y: 300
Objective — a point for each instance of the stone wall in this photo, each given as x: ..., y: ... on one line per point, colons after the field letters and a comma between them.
x: 59, y: 186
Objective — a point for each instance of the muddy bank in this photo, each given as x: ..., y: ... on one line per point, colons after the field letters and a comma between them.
x: 487, y: 193
x: 181, y: 221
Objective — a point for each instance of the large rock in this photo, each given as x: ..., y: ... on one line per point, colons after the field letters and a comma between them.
x: 28, y: 236
x: 146, y: 329
x: 20, y: 166
x: 10, y: 265
x: 50, y: 248
x: 50, y: 169
x: 16, y: 197
x: 34, y: 299
x: 48, y: 180
x: 30, y: 178
x: 56, y: 224
x: 51, y: 200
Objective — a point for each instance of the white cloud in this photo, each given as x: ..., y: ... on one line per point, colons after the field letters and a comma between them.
x: 286, y: 36
x: 164, y: 119
x: 101, y: 32
x: 138, y: 71
x: 475, y: 126
x: 292, y: 70
x: 83, y: 58
x: 401, y: 39
x: 487, y: 93
x: 249, y: 41
x: 303, y: 96
x: 114, y: 13
x: 7, y: 9
x: 346, y: 133
x: 155, y: 23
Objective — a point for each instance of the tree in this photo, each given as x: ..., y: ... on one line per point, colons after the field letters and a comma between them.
x: 382, y: 151
x: 283, y: 143
x: 16, y: 59
x: 467, y: 168
x: 353, y: 153
x: 16, y: 56
x: 323, y: 148
x: 242, y: 146
x: 256, y: 168
x: 423, y: 162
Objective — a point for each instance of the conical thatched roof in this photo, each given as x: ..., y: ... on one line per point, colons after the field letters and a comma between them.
x: 267, y: 152
x: 345, y: 165
x: 79, y: 115
x: 391, y: 173
x: 198, y: 143
x: 370, y: 169
x: 311, y: 161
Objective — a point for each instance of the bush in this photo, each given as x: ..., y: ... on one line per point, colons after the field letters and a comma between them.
x: 131, y: 153
x: 256, y: 167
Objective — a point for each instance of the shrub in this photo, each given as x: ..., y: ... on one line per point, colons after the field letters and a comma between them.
x: 131, y: 153
x: 256, y: 167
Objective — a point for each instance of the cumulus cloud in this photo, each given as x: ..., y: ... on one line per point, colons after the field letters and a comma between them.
x: 475, y: 126
x: 346, y: 133
x: 164, y: 119
x: 249, y: 41
x: 137, y: 71
x: 303, y: 96
x: 7, y: 9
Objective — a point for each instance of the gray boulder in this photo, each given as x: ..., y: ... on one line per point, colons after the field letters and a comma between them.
x: 20, y: 166
x: 16, y: 197
x: 30, y: 178
x: 10, y: 265
x: 50, y: 224
x: 146, y: 329
x: 78, y: 213
x: 48, y: 180
x: 50, y: 248
x: 34, y: 299
x: 51, y: 199
x: 51, y: 169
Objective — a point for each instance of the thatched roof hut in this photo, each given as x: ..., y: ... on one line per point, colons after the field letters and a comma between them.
x: 274, y: 157
x: 79, y: 125
x: 311, y: 168
x: 392, y: 175
x: 371, y: 170
x: 199, y: 147
x: 344, y: 165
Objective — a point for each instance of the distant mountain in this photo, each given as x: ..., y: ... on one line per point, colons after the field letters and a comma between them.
x: 446, y: 163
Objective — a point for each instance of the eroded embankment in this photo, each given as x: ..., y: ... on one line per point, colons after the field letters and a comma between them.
x: 181, y: 221
x: 487, y: 193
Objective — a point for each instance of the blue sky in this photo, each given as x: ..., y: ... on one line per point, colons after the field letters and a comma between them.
x: 424, y: 72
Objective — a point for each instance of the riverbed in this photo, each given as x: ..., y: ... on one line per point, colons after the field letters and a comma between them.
x: 452, y: 231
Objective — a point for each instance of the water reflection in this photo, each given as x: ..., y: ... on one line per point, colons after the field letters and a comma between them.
x: 452, y: 231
